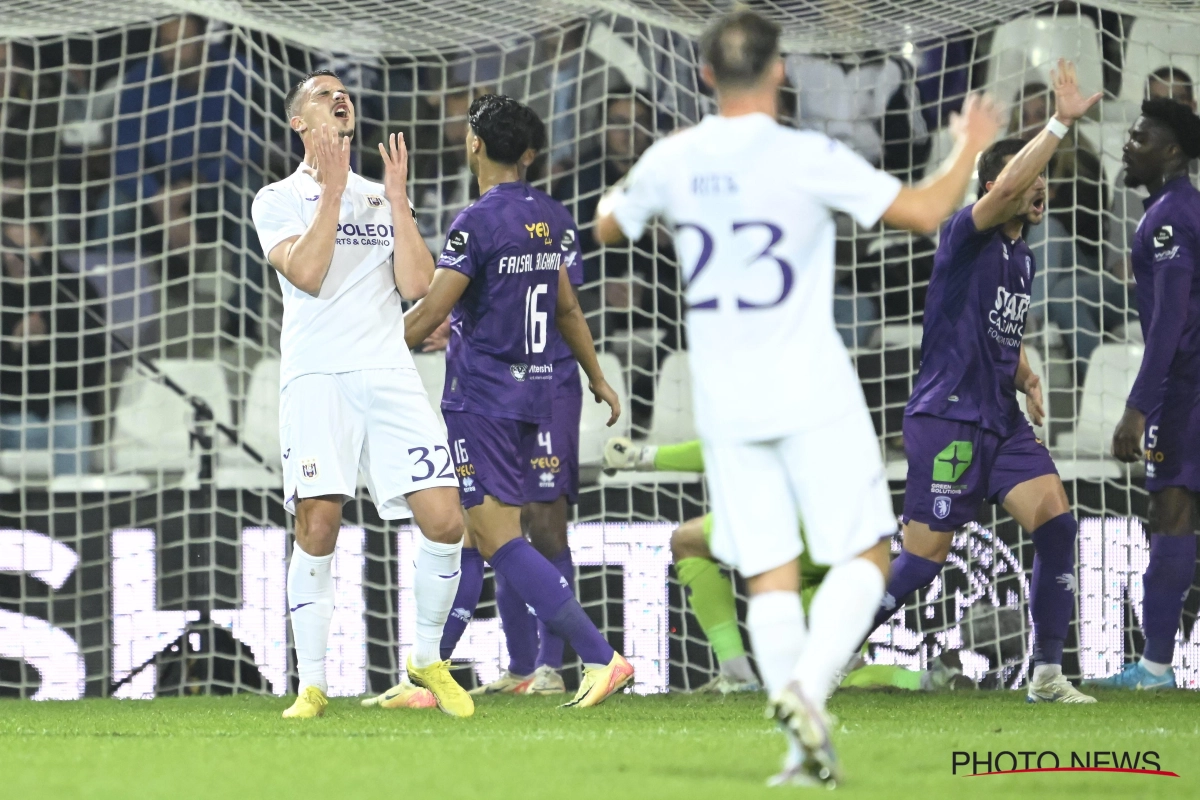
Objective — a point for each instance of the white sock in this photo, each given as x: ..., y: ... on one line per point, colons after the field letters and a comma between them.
x: 840, y: 617
x: 436, y: 583
x: 310, y: 600
x: 738, y: 668
x: 1046, y: 672
x: 776, y: 623
x: 1154, y: 668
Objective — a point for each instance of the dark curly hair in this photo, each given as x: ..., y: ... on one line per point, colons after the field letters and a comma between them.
x: 502, y: 124
x: 1179, y: 119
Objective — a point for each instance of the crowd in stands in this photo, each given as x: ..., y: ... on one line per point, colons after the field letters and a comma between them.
x: 143, y: 150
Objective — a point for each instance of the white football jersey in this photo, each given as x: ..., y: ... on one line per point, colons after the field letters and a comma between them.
x: 356, y: 321
x: 751, y: 203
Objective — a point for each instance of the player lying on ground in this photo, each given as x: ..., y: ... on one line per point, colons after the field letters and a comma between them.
x: 752, y: 207
x: 502, y: 274
x: 551, y: 482
x: 710, y: 593
x: 349, y: 386
x: 965, y: 437
x: 1162, y: 404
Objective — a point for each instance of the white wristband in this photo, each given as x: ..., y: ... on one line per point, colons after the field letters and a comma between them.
x: 1057, y: 128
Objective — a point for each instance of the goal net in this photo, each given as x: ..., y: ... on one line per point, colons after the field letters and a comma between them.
x: 143, y: 543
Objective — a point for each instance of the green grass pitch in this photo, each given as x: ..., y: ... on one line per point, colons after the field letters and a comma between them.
x: 674, y: 746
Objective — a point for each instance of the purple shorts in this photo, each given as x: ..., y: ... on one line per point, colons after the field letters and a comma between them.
x: 552, y: 469
x: 488, y: 453
x: 954, y: 466
x: 1172, y: 447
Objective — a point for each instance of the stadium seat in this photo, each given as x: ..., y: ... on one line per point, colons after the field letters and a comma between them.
x: 672, y: 421
x: 1111, y: 372
x: 432, y: 369
x: 593, y: 429
x: 896, y: 336
x: 1151, y: 44
x: 260, y: 420
x: 1025, y: 49
x: 152, y: 424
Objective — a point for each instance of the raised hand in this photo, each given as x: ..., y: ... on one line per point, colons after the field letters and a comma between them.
x: 979, y: 121
x: 331, y: 157
x: 395, y: 169
x: 1069, y: 104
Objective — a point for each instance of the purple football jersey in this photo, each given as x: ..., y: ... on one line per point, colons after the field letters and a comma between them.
x: 566, y: 368
x: 974, y: 322
x: 500, y: 361
x: 1168, y: 296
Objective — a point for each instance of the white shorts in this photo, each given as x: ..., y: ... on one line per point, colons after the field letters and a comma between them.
x: 376, y: 420
x: 830, y: 477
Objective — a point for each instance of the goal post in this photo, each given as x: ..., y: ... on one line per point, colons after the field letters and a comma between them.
x: 142, y: 536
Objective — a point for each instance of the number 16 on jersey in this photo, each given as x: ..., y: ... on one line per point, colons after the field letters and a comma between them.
x: 535, y: 321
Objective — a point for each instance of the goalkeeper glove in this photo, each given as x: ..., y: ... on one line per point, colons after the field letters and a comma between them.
x: 622, y: 454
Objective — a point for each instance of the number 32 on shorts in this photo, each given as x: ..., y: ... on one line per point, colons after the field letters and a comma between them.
x: 425, y: 463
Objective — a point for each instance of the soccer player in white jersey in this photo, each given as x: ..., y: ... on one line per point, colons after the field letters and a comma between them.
x: 779, y: 409
x: 347, y: 250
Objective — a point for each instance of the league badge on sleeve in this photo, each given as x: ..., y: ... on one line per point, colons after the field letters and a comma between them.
x: 1163, y: 236
x: 568, y: 239
x: 457, y: 241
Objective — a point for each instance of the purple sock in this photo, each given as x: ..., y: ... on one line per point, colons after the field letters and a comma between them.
x: 909, y: 573
x: 1052, y: 590
x: 550, y: 653
x: 520, y: 628
x: 547, y: 592
x: 1165, y: 585
x: 470, y: 585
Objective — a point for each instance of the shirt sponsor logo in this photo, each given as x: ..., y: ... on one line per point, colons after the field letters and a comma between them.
x: 947, y: 488
x: 457, y: 241
x: 540, y: 372
x: 950, y: 464
x: 519, y: 371
x: 540, y: 230
x: 1166, y: 255
x: 1163, y: 236
x: 367, y: 234
x: 1007, y: 317
x: 941, y: 507
x: 308, y: 470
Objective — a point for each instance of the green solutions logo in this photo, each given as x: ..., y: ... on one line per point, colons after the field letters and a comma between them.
x: 951, y: 463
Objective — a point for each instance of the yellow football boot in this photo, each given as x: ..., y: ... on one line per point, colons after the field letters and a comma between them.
x: 311, y: 703
x: 403, y: 695
x: 599, y: 683
x: 451, y: 698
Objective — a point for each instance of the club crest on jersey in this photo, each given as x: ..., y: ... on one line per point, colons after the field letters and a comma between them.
x: 1163, y: 236
x: 457, y: 241
x: 308, y: 469
x: 941, y: 507
x: 519, y: 371
x: 374, y: 200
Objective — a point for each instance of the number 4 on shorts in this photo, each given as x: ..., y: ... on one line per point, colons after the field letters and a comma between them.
x: 950, y: 464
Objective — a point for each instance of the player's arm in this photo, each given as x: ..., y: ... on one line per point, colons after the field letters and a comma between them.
x: 574, y: 330
x: 620, y: 453
x: 922, y: 208
x: 304, y: 260
x: 1029, y: 383
x: 412, y: 263
x: 627, y: 207
x: 1172, y: 290
x: 1005, y: 196
x: 607, y: 230
x: 423, y: 319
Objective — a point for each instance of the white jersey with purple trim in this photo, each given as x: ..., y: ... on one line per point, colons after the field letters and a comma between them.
x: 355, y: 322
x: 752, y: 204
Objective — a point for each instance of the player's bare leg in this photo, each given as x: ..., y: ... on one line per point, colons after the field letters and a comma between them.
x: 1166, y: 582
x: 710, y: 594
x: 310, y: 598
x: 496, y: 530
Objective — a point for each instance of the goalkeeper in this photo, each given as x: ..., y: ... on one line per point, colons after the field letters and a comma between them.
x: 710, y: 592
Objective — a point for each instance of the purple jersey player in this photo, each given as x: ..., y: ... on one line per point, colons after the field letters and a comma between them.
x: 964, y: 435
x: 501, y: 275
x: 551, y: 484
x: 1162, y: 404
